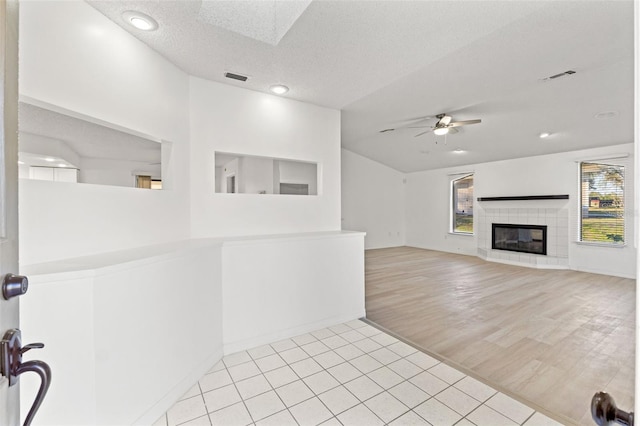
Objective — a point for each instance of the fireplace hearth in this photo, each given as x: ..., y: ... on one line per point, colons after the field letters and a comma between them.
x: 519, y: 238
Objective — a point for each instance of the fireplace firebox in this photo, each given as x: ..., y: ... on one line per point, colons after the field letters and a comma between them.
x: 520, y: 238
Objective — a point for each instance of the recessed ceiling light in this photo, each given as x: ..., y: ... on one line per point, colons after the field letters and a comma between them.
x: 279, y: 89
x: 545, y: 135
x: 606, y: 114
x: 49, y: 159
x: 441, y: 131
x: 458, y: 151
x: 140, y: 20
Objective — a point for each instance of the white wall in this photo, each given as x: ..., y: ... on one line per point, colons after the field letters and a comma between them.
x: 101, y: 171
x: 297, y: 172
x: 373, y: 201
x: 73, y: 57
x: 228, y: 119
x: 257, y: 175
x: 428, y: 204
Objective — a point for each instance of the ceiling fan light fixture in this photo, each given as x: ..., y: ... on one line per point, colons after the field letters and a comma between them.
x: 140, y: 20
x: 441, y: 131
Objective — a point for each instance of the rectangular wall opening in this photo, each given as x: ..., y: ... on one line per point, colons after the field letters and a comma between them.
x: 519, y: 238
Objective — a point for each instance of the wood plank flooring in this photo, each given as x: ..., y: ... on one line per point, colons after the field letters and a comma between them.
x: 551, y: 338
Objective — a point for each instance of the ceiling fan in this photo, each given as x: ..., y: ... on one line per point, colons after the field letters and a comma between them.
x: 445, y: 125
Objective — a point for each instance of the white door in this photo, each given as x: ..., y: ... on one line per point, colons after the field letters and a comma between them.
x: 9, y: 399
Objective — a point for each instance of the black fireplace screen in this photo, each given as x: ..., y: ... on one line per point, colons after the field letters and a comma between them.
x: 520, y: 238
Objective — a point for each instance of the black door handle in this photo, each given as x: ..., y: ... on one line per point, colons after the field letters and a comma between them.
x: 11, y: 366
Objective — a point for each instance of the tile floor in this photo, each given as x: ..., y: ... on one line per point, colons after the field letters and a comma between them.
x: 349, y: 374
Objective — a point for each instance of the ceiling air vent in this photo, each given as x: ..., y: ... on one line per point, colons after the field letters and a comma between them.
x: 236, y: 76
x: 562, y: 74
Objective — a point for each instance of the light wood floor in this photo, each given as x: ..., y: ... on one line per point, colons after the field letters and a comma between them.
x: 551, y: 338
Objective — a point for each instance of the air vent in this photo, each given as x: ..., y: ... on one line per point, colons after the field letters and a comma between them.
x: 562, y: 74
x: 386, y: 130
x: 236, y: 76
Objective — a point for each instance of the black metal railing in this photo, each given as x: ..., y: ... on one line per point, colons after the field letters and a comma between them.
x: 604, y: 411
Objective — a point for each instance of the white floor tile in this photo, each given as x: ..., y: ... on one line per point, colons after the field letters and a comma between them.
x: 328, y: 359
x: 363, y: 388
x: 304, y: 339
x: 402, y: 348
x: 221, y: 398
x: 422, y: 360
x: 215, y: 380
x: 409, y: 419
x: 485, y: 416
x: 217, y: 367
x: 194, y: 391
x: 234, y: 415
x: 369, y: 331
x: 386, y: 407
x: 340, y: 328
x: 294, y: 393
x: 264, y: 405
x: 315, y: 348
x: 283, y: 418
x: 446, y: 373
x: 457, y: 400
x: 243, y: 371
x: 355, y: 324
x: 539, y: 419
x: 429, y: 383
x: 253, y: 386
x: 509, y: 407
x: 236, y: 358
x: 365, y: 363
x: 310, y: 412
x: 306, y: 367
x: 200, y: 421
x: 344, y: 372
x: 335, y: 341
x: 185, y: 410
x: 353, y: 336
x: 338, y: 399
x: 261, y: 351
x: 367, y: 345
x: 437, y: 413
x: 464, y: 422
x: 475, y: 388
x: 293, y: 355
x: 359, y: 415
x: 384, y: 339
x: 349, y: 352
x: 385, y: 356
x: 385, y: 377
x: 409, y: 394
x: 331, y: 422
x: 321, y: 382
x: 322, y: 334
x: 283, y: 345
x: 270, y: 362
x: 281, y: 376
x: 405, y: 368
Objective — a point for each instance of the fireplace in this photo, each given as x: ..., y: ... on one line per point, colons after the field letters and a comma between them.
x: 520, y: 238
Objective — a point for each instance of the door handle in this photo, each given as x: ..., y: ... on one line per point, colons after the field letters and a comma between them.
x: 11, y: 366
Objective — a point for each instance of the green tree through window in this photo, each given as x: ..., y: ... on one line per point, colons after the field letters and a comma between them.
x: 462, y: 205
x: 602, y: 203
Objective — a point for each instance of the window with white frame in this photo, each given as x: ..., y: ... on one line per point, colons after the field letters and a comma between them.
x: 462, y: 205
x: 602, y: 203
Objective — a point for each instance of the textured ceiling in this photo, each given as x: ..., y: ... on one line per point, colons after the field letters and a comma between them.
x: 385, y: 62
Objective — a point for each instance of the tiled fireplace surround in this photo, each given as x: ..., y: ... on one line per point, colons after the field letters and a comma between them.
x: 523, y: 212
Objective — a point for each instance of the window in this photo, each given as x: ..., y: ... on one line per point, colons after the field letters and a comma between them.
x: 602, y: 203
x: 462, y: 205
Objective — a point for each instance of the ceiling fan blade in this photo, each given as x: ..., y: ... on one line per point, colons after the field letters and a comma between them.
x: 464, y: 123
x: 444, y: 121
x: 420, y: 134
